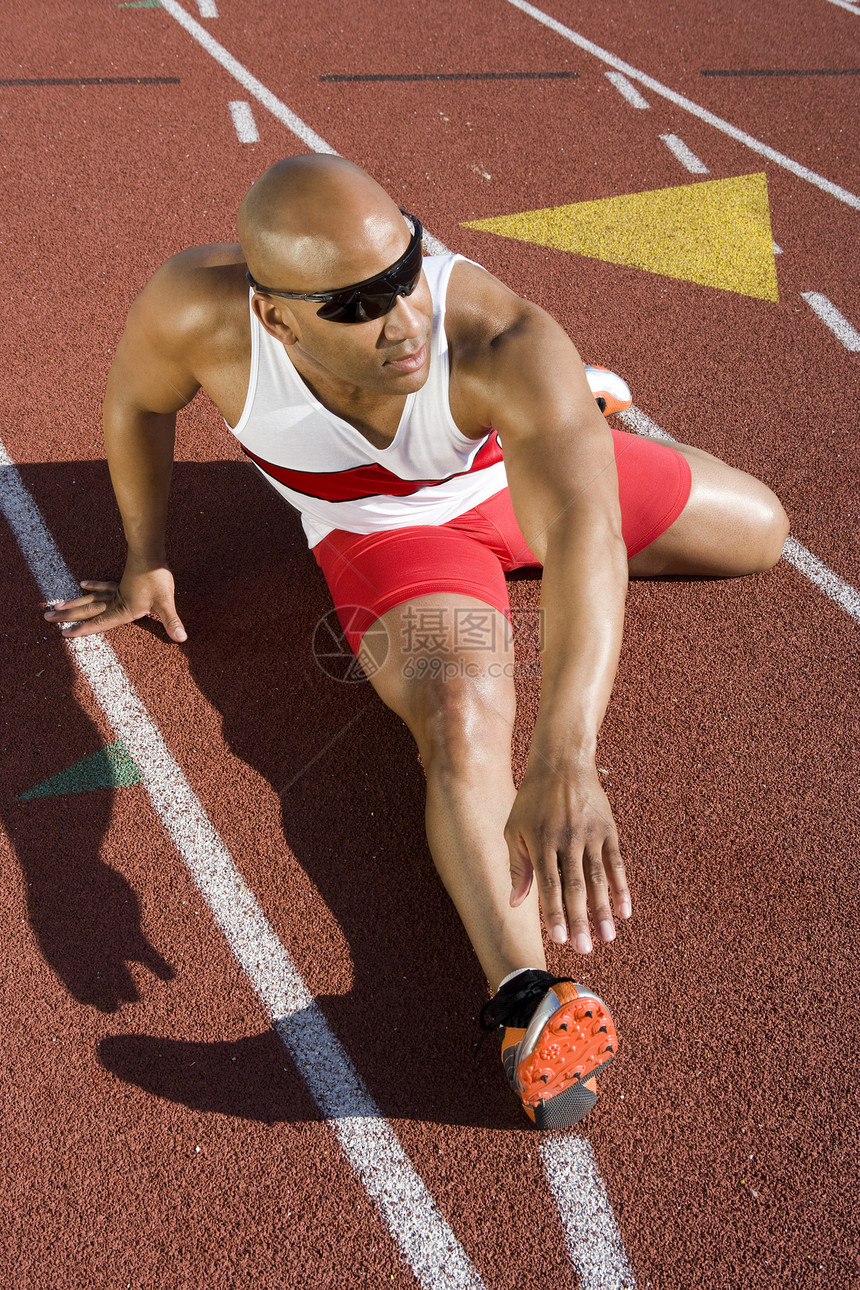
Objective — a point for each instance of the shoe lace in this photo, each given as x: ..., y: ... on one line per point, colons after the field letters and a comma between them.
x: 515, y: 1006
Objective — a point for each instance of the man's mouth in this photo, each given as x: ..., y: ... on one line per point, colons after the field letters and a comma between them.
x: 409, y: 362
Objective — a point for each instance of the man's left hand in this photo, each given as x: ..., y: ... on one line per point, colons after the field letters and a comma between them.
x: 561, y: 830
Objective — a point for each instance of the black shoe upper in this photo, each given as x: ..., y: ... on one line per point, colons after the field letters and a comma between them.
x: 514, y: 1004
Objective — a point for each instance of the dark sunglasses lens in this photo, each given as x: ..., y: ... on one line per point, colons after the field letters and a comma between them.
x: 366, y: 306
x: 359, y: 307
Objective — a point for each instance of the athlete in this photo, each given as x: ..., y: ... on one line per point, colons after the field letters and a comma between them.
x: 435, y: 430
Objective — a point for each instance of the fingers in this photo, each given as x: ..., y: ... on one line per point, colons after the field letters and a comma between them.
x: 106, y: 607
x: 575, y: 888
x: 87, y: 614
x: 173, y: 625
x: 164, y: 611
x: 589, y: 877
x: 561, y: 833
x: 103, y: 622
x: 72, y: 611
x: 614, y: 868
x: 578, y: 881
x: 558, y: 899
x: 598, y: 893
x: 102, y: 618
x: 102, y: 594
x: 522, y: 871
x: 565, y: 897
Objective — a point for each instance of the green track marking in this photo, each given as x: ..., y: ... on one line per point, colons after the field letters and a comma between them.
x: 110, y: 767
x: 140, y: 4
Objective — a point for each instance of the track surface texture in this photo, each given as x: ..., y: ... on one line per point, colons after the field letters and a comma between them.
x: 159, y: 1130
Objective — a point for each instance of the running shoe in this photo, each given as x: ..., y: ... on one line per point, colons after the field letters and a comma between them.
x: 556, y: 1036
x: 611, y: 392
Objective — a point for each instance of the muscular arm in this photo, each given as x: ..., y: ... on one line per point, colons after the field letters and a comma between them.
x: 560, y: 464
x: 561, y: 471
x: 148, y: 382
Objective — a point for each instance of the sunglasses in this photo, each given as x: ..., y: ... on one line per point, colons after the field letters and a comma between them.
x: 372, y: 298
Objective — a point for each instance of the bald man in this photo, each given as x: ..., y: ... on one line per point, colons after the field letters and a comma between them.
x: 377, y: 391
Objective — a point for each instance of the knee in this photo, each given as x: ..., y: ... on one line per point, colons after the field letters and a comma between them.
x: 462, y: 723
x: 773, y: 529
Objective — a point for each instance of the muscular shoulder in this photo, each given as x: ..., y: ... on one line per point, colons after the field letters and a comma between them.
x: 500, y: 343
x: 188, y: 328
x: 196, y: 301
x: 479, y: 309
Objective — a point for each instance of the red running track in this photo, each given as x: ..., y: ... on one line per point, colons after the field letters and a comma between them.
x: 157, y: 1132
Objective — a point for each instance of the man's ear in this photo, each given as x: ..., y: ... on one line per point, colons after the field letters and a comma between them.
x: 277, y: 320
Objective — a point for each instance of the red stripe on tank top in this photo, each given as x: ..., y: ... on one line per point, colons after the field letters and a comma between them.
x: 371, y: 480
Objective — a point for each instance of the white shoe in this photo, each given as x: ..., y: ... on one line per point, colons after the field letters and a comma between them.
x: 611, y: 392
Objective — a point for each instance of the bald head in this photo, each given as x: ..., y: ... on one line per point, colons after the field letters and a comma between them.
x: 316, y: 223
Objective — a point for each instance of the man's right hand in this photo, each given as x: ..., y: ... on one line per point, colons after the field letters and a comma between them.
x: 110, y: 604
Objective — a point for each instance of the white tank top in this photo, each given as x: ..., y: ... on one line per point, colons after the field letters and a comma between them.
x: 328, y: 471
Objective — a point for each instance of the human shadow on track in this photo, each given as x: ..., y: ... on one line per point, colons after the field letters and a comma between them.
x: 83, y: 912
x: 352, y: 796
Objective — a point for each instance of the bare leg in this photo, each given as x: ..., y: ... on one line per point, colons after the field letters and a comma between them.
x: 732, y: 524
x: 459, y: 705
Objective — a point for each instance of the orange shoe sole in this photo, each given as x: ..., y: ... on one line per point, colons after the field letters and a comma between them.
x: 556, y: 1079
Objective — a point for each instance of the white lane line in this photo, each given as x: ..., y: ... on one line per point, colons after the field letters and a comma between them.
x: 627, y: 90
x: 685, y: 155
x: 425, y: 1238
x: 208, y: 8
x: 764, y: 149
x: 846, y: 4
x: 825, y: 579
x: 593, y: 1240
x: 777, y: 250
x: 636, y: 420
x: 279, y: 110
x: 832, y: 318
x: 243, y: 120
x: 232, y: 65
x: 794, y: 553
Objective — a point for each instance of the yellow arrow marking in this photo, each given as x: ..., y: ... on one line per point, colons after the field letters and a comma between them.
x: 716, y: 232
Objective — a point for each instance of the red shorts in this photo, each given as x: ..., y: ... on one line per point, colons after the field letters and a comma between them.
x: 370, y: 573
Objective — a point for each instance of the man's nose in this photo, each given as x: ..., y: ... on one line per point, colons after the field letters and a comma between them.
x: 404, y: 321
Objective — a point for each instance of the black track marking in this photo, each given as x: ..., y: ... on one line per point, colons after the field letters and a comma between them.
x: 95, y: 80
x: 782, y: 71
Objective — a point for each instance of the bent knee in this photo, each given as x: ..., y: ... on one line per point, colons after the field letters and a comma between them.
x: 773, y: 529
x: 461, y: 721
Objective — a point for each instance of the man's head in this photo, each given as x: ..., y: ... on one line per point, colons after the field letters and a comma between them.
x: 317, y: 224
